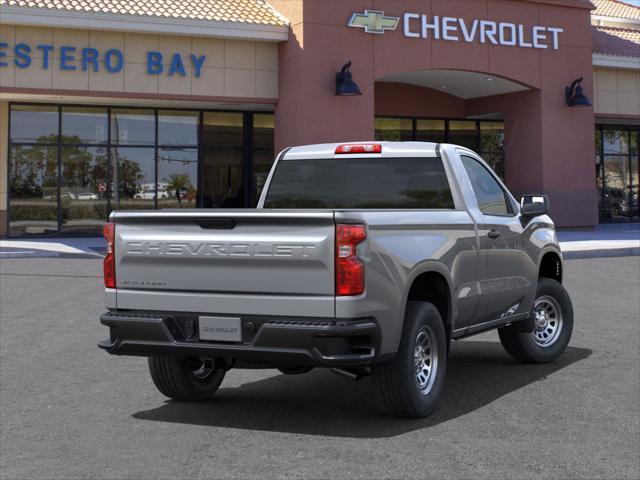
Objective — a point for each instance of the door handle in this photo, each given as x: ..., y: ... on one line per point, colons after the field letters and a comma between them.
x: 493, y: 234
x: 216, y: 223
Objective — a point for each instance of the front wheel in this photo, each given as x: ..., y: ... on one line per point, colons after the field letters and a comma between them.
x: 411, y: 385
x: 187, y: 379
x: 553, y: 320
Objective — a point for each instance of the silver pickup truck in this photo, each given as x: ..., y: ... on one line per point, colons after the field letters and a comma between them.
x: 365, y: 258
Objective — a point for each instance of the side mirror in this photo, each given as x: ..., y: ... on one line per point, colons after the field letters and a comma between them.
x: 534, y: 205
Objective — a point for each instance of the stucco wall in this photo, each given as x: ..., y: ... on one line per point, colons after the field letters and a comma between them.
x: 411, y: 100
x: 232, y: 68
x: 616, y: 91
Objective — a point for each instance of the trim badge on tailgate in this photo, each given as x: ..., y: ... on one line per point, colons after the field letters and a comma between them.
x: 221, y: 249
x: 221, y: 329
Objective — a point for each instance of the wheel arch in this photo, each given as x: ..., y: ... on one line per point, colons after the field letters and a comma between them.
x: 550, y: 265
x: 432, y: 283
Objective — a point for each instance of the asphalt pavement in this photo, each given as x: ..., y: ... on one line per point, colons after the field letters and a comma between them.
x: 69, y: 410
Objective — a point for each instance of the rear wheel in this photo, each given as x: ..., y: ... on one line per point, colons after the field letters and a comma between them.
x: 411, y: 385
x: 553, y: 325
x: 188, y: 379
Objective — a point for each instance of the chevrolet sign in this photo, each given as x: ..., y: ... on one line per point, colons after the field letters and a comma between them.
x: 373, y: 21
x: 455, y: 29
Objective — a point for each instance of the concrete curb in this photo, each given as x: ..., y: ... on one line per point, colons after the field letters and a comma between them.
x: 616, y: 252
x: 14, y: 252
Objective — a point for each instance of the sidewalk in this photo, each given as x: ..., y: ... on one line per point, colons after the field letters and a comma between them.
x: 608, y: 240
x: 80, y: 247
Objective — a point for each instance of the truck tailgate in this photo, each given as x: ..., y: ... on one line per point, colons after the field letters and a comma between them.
x: 225, y: 252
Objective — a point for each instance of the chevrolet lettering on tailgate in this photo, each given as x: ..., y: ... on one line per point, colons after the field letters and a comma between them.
x: 205, y: 249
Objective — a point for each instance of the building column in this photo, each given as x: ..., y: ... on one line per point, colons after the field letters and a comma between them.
x: 307, y: 110
x: 549, y: 148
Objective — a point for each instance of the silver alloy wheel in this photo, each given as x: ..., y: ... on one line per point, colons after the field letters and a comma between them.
x: 425, y: 360
x: 548, y: 321
x: 202, y: 367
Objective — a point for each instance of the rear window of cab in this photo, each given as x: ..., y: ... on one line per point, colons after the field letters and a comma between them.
x: 361, y: 183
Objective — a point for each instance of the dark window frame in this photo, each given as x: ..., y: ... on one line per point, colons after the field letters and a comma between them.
x: 446, y: 120
x: 446, y: 132
x: 630, y: 131
x: 247, y: 147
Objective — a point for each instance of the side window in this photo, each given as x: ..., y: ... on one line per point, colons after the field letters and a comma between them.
x: 491, y: 198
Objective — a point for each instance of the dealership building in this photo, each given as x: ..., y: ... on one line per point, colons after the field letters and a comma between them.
x: 145, y: 104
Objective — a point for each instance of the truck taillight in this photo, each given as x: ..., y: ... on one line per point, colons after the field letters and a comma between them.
x: 359, y: 148
x: 349, y: 270
x: 109, y: 232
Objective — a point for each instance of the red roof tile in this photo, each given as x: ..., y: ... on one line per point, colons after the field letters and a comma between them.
x: 615, y: 9
x: 616, y: 41
x: 243, y: 11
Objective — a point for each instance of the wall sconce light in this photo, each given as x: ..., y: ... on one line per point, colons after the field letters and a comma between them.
x: 345, y: 86
x: 574, y: 95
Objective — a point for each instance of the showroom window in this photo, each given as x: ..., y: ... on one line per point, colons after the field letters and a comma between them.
x: 483, y: 136
x: 70, y: 166
x: 617, y: 173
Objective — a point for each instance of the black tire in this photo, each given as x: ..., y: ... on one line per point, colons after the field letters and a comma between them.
x: 294, y: 370
x: 186, y: 379
x: 397, y: 382
x: 530, y: 347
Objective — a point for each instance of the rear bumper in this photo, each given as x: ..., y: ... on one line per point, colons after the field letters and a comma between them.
x: 266, y: 340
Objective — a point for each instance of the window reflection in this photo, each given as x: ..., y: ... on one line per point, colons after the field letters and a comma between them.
x: 34, y: 124
x: 84, y: 125
x: 492, y: 146
x: 33, y: 189
x: 133, y: 127
x: 85, y: 192
x: 617, y: 172
x: 263, y: 151
x: 491, y: 137
x: 394, y: 129
x: 615, y: 141
x: 178, y: 128
x: 177, y: 178
x: 135, y: 177
x: 485, y: 137
x: 635, y: 188
x: 70, y: 166
x: 431, y: 131
x: 463, y: 133
x: 615, y: 202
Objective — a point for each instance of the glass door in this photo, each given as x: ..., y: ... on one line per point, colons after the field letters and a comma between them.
x: 222, y: 169
x: 635, y: 175
x: 617, y: 173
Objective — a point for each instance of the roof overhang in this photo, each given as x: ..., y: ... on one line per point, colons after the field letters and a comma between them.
x: 616, y: 61
x: 631, y: 22
x: 142, y: 24
x: 566, y: 3
x: 123, y: 99
x: 459, y: 83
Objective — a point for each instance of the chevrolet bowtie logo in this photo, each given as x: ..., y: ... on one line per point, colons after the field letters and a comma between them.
x: 373, y: 21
